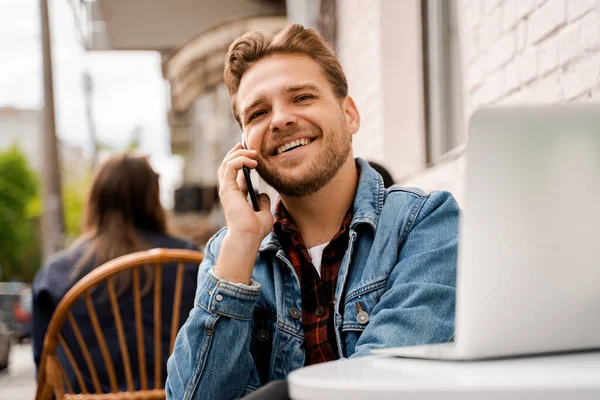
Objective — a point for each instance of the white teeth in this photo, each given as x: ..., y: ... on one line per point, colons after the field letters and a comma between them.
x: 287, y: 146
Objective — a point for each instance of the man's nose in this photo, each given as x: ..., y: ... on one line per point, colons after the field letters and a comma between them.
x: 282, y: 118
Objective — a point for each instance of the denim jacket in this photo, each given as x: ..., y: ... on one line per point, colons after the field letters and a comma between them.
x: 396, y: 287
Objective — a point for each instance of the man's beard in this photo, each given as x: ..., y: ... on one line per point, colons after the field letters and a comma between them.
x: 334, y: 151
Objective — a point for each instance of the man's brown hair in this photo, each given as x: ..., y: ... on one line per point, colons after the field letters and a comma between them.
x: 246, y: 50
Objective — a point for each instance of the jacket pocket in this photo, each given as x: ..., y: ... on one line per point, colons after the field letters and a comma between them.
x: 357, y: 316
x: 261, y: 341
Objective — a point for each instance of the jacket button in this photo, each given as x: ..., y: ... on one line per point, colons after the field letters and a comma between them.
x: 209, y: 331
x: 362, y: 317
x: 262, y: 335
x: 320, y: 311
x: 294, y: 313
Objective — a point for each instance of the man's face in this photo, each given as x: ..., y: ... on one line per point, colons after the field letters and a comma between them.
x: 290, y: 114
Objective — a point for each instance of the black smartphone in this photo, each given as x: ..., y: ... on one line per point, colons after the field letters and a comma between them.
x: 251, y: 192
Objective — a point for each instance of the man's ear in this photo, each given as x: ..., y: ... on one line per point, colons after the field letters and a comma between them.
x: 351, y: 114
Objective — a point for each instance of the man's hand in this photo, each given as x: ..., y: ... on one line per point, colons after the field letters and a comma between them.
x: 245, y: 227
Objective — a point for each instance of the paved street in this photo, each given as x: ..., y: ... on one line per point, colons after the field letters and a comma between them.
x: 18, y: 383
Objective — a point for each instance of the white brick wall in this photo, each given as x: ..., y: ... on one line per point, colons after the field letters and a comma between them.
x: 546, y: 53
x: 555, y: 58
x: 358, y: 49
x: 577, y: 8
x: 379, y: 48
x: 545, y: 19
x: 513, y: 51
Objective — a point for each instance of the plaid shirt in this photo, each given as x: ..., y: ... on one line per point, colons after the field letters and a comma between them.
x: 317, y: 292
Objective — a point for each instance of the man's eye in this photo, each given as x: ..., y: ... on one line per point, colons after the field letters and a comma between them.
x: 256, y: 115
x: 304, y: 97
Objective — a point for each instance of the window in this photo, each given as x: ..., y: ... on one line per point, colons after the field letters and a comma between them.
x: 444, y: 115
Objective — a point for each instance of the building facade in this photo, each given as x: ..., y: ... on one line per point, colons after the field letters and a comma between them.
x: 432, y: 63
x: 417, y: 69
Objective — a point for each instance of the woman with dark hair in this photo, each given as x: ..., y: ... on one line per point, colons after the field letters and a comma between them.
x: 123, y: 215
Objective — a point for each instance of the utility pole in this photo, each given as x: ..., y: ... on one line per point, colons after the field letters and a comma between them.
x: 53, y: 226
x: 88, y: 87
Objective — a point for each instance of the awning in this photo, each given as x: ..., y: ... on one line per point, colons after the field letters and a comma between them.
x: 160, y: 25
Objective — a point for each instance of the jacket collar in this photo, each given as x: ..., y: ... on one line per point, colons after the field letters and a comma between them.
x: 368, y: 203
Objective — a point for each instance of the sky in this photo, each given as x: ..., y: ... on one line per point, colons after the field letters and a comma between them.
x: 129, y: 90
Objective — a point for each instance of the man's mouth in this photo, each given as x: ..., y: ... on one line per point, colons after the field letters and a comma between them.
x: 292, y: 145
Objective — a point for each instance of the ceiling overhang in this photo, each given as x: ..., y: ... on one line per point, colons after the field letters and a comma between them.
x: 159, y: 25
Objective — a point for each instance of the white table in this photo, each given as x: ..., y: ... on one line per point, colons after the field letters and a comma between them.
x: 572, y: 376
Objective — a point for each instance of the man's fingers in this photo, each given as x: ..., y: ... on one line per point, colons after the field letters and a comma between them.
x: 264, y: 202
x: 239, y: 153
x: 232, y: 155
x: 241, y: 181
x: 265, y: 215
x: 233, y: 166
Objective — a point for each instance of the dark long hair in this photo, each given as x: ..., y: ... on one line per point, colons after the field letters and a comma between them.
x: 123, y: 199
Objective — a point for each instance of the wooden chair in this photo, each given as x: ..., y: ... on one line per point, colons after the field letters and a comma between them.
x: 52, y: 376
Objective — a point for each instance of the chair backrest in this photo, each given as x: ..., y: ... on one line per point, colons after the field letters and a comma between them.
x: 52, y: 378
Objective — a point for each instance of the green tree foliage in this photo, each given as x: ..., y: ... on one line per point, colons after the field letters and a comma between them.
x: 19, y: 187
x: 74, y: 192
x: 21, y: 208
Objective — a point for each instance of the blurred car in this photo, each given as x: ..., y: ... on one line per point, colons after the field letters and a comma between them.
x: 4, y: 346
x: 23, y: 317
x: 15, y: 309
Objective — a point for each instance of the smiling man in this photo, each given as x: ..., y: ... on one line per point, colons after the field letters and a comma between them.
x: 343, y: 266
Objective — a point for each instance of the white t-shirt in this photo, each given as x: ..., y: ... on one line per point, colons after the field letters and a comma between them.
x: 316, y: 255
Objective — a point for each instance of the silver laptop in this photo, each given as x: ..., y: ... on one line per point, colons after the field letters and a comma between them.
x: 529, y: 250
